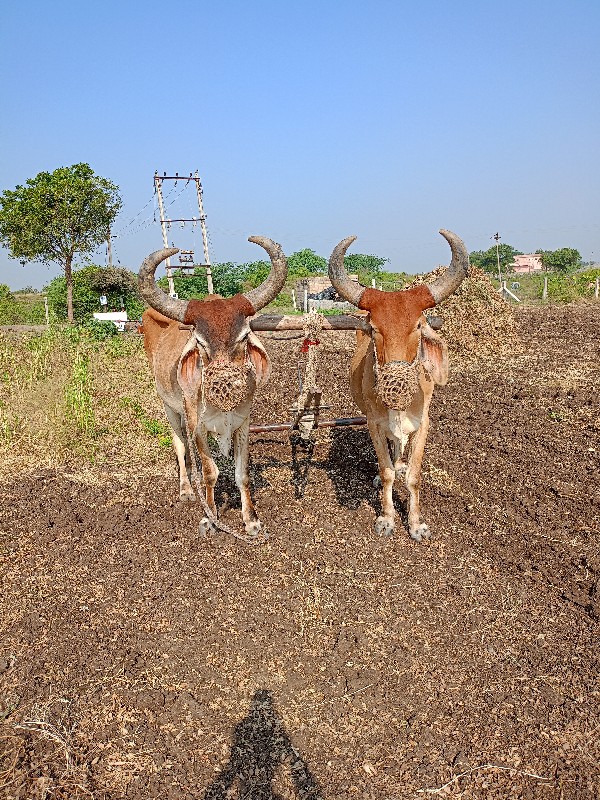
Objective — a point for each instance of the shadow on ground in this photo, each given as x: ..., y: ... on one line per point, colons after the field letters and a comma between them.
x: 259, y: 750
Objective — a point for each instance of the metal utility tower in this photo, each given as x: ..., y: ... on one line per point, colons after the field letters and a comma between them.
x: 165, y: 223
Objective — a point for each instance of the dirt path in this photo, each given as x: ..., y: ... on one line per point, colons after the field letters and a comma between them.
x: 140, y: 661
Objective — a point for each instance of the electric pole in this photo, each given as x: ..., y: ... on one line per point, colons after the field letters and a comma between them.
x: 204, y: 234
x: 166, y: 223
x: 497, y: 237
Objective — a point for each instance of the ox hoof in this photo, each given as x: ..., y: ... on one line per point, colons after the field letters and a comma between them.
x: 255, y: 529
x: 205, y: 526
x: 188, y: 496
x: 384, y: 526
x: 420, y: 532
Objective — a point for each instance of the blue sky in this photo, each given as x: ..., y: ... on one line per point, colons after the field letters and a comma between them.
x: 312, y: 121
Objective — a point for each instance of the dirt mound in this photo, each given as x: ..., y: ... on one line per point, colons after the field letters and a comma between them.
x: 478, y: 322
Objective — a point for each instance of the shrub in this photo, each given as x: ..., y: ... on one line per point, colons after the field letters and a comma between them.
x: 89, y: 283
x: 100, y: 329
x: 20, y: 310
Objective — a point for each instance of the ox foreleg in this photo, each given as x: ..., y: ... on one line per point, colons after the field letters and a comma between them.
x: 242, y: 478
x: 179, y: 445
x: 210, y: 474
x: 418, y: 530
x: 384, y: 524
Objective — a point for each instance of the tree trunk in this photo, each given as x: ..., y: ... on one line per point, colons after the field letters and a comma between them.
x: 69, y: 280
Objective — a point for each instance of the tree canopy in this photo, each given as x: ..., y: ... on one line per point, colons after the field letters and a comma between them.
x: 58, y: 215
x: 565, y: 259
x: 487, y: 260
x: 230, y: 278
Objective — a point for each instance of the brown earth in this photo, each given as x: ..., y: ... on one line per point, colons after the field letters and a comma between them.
x: 140, y: 661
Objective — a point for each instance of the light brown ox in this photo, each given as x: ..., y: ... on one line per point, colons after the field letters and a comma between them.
x: 402, y: 339
x: 218, y: 343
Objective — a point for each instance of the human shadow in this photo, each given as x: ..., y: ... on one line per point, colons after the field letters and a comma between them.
x: 260, y: 747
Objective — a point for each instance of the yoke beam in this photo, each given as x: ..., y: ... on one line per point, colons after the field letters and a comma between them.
x: 281, y: 322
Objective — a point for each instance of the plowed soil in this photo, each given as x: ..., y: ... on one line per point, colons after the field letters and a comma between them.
x: 140, y: 661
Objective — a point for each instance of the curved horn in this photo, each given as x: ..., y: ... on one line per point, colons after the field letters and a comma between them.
x: 349, y: 290
x: 449, y: 282
x: 155, y: 297
x: 270, y: 288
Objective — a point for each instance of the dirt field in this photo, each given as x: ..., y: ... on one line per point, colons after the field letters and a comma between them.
x: 139, y: 661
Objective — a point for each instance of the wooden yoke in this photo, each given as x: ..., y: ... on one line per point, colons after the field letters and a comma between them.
x: 335, y: 322
x: 262, y: 323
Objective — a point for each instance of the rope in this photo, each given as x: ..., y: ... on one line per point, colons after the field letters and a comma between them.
x: 312, y: 325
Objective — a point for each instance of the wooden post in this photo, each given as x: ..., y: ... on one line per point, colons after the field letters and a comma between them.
x: 48, y: 315
x: 294, y: 300
x: 373, y: 283
x: 597, y: 292
x: 545, y: 292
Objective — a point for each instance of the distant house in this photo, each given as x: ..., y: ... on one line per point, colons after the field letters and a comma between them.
x: 320, y: 294
x: 527, y: 263
x: 319, y: 284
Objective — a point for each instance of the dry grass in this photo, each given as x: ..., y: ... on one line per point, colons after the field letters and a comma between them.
x: 67, y: 399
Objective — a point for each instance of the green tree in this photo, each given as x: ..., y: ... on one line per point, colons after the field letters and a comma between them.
x: 487, y: 260
x: 358, y: 263
x: 58, y: 215
x: 118, y: 284
x: 566, y: 259
x: 228, y: 279
x: 306, y: 262
x: 365, y: 266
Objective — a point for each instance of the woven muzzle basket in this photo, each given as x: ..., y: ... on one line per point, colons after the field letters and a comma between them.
x: 397, y: 384
x: 225, y: 385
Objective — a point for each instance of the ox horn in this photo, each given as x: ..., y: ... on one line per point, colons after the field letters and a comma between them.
x: 270, y: 288
x: 349, y: 290
x: 449, y: 282
x: 155, y: 297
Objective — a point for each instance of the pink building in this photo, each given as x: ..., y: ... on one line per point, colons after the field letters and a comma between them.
x: 528, y: 263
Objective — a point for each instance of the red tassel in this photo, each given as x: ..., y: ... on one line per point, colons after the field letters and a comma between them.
x: 307, y: 343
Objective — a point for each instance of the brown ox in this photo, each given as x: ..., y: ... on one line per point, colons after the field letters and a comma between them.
x: 206, y: 375
x: 393, y: 373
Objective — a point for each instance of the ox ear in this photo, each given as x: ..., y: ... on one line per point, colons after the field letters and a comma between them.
x: 260, y: 360
x: 189, y: 378
x: 433, y: 354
